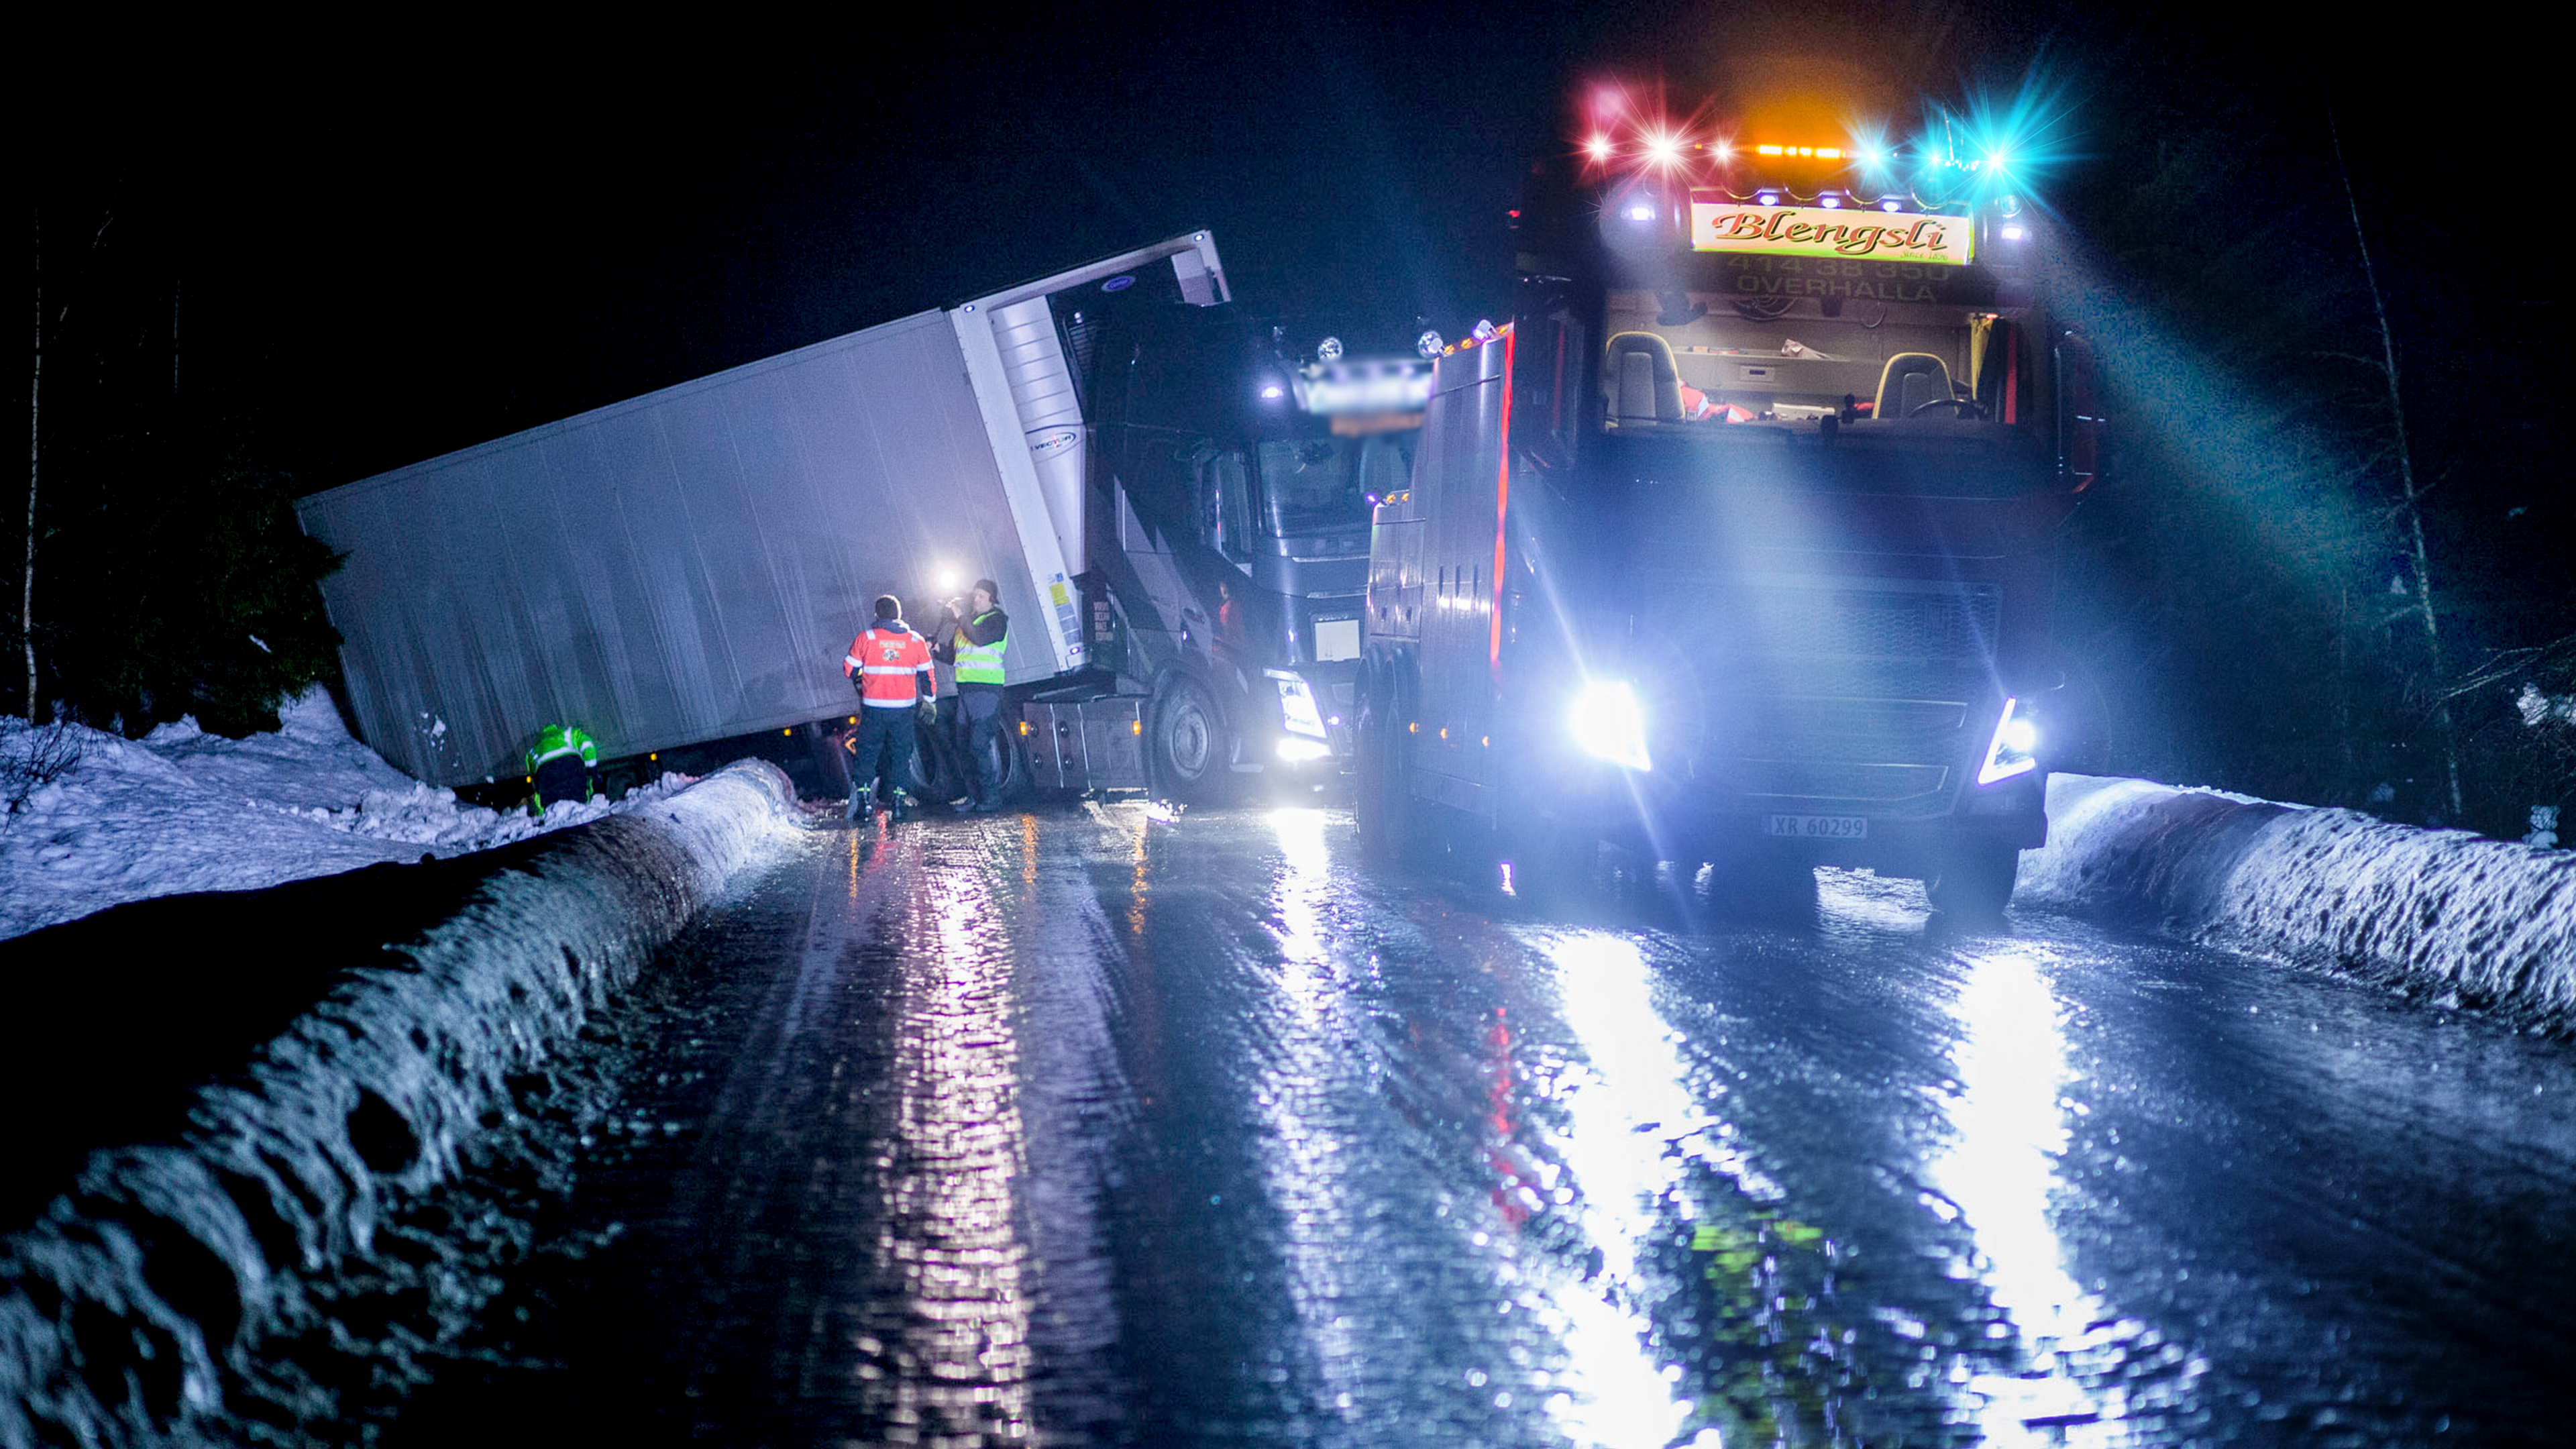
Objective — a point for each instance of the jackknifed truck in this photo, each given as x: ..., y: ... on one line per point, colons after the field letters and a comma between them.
x: 1180, y: 543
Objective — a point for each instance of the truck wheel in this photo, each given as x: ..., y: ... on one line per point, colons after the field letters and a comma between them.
x: 1013, y: 763
x: 936, y: 779
x: 1188, y: 747
x: 1975, y: 882
x: 1381, y: 752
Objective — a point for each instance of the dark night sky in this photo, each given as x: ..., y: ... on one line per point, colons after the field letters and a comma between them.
x: 412, y: 242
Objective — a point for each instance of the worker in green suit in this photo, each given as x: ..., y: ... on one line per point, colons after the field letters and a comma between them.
x: 560, y: 762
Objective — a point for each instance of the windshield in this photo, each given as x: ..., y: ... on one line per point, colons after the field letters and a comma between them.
x: 1705, y: 360
x: 1321, y: 485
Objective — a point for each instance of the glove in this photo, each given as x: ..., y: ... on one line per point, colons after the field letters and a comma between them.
x: 930, y: 711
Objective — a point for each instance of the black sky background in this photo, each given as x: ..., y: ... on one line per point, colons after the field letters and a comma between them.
x: 390, y: 242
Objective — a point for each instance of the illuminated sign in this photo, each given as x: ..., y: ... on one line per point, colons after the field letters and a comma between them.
x: 1722, y: 224
x: 1389, y: 385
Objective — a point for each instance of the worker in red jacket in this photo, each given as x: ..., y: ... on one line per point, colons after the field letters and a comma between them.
x: 889, y: 665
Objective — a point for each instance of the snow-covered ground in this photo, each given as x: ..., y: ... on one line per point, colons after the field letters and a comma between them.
x: 2455, y: 915
x: 2487, y: 920
x: 183, y: 810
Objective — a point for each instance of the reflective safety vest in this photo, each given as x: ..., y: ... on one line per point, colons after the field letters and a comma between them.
x: 890, y: 664
x: 556, y: 741
x: 981, y: 663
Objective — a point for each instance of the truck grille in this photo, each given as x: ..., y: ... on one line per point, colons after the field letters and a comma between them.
x: 1826, y: 695
x: 1899, y: 621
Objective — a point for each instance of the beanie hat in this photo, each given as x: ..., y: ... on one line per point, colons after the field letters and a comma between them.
x: 991, y: 589
x: 889, y: 607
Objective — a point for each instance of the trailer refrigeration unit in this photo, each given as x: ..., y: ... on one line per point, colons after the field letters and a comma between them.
x: 1735, y: 545
x: 689, y: 566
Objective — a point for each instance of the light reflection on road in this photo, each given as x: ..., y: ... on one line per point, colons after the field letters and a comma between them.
x: 1303, y: 1170
x: 2000, y: 1170
x: 1625, y: 1109
x: 960, y: 1363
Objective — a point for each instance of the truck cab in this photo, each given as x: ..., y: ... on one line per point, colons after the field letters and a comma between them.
x: 1736, y: 543
x: 1236, y: 483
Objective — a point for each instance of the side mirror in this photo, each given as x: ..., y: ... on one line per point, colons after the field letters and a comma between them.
x: 2081, y: 419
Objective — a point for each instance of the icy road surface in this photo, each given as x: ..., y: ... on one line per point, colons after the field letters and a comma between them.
x: 1085, y: 1128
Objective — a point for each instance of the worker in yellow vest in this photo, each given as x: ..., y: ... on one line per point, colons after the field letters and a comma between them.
x: 972, y: 636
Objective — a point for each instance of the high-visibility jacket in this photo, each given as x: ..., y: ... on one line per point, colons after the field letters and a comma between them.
x: 892, y: 665
x: 982, y: 663
x: 555, y: 741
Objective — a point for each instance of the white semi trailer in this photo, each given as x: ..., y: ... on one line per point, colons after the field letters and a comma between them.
x: 689, y: 566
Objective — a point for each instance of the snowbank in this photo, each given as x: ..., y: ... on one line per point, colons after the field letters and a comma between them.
x: 183, y: 810
x: 373, y: 1029
x: 2470, y: 919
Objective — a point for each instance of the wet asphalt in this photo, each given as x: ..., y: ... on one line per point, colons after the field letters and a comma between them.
x: 1092, y: 1128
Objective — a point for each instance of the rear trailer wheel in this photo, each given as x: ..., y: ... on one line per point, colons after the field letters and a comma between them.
x: 1975, y: 882
x: 1188, y: 757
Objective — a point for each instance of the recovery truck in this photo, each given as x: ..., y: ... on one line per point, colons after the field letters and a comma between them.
x: 1736, y: 543
x: 688, y: 566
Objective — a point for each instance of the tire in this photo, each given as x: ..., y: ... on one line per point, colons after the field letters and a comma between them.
x: 1975, y: 882
x: 1013, y: 773
x: 935, y: 778
x: 1381, y: 805
x: 1188, y: 744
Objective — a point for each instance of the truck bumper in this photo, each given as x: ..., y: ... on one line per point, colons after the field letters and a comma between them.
x: 1687, y: 822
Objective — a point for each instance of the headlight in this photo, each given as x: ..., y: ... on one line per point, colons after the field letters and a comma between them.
x: 2015, y: 747
x: 1297, y: 705
x: 1608, y: 724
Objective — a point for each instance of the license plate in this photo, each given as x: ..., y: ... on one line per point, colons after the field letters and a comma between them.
x: 1817, y: 827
